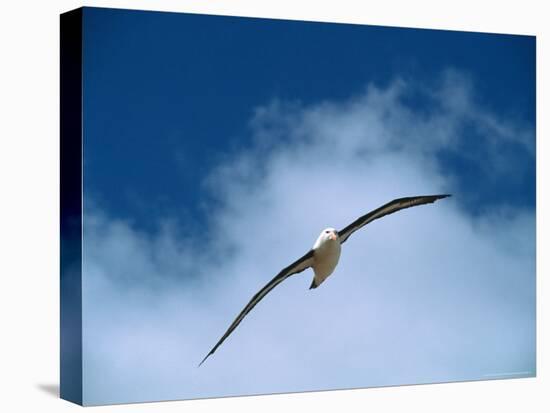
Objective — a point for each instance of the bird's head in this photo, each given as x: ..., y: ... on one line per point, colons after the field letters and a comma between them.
x: 327, y: 235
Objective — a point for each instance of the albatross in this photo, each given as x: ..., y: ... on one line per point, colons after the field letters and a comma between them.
x: 324, y: 255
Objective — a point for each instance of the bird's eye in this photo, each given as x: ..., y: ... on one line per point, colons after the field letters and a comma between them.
x: 326, y: 232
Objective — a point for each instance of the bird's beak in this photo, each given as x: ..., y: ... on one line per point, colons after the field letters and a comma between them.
x: 333, y: 236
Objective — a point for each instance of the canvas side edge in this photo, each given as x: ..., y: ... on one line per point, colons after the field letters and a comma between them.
x: 71, y: 206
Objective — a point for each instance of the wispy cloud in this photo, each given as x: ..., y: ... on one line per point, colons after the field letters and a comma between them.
x: 430, y: 294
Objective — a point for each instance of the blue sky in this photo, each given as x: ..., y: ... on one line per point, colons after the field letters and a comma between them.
x: 174, y: 93
x: 217, y: 148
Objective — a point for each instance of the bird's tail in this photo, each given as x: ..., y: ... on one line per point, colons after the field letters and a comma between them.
x: 313, y: 284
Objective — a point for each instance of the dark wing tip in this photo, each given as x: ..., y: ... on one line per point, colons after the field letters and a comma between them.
x: 433, y: 198
x: 430, y: 199
x: 204, y: 359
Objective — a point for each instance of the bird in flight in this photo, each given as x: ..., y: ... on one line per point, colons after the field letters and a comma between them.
x: 324, y: 255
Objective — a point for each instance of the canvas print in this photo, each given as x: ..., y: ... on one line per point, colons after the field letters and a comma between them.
x: 255, y: 206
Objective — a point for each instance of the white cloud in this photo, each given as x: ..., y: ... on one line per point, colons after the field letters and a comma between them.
x: 429, y: 294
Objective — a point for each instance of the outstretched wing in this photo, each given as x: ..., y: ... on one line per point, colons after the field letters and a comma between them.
x: 294, y: 268
x: 389, y: 208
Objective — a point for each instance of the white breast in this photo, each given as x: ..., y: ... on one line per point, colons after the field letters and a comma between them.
x: 326, y: 258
